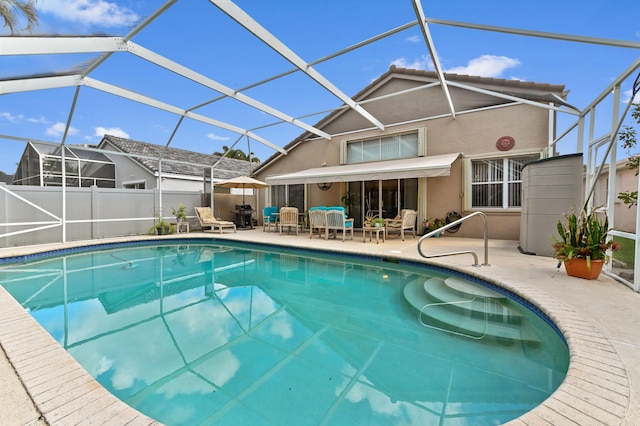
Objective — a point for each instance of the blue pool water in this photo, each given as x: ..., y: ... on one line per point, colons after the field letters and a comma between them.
x: 211, y: 333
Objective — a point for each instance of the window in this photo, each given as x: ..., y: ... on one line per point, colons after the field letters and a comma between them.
x: 405, y: 145
x: 138, y: 184
x: 497, y: 182
x: 288, y: 195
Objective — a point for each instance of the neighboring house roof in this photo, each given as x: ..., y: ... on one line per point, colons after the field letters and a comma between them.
x: 190, y: 163
x: 8, y: 179
x: 538, y: 92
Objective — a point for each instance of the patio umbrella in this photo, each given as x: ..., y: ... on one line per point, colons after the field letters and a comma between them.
x: 243, y: 182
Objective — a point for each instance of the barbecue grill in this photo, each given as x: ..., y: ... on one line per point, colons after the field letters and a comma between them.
x: 242, y: 216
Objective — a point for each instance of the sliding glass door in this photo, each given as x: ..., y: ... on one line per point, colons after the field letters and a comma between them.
x: 384, y: 198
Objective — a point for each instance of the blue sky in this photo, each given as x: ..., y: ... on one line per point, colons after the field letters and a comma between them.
x: 198, y: 35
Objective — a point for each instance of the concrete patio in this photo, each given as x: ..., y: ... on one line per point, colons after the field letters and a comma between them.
x: 41, y: 384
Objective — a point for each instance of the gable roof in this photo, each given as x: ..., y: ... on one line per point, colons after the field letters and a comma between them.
x: 544, y: 93
x: 185, y: 163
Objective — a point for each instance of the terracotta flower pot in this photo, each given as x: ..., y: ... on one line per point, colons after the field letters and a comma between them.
x: 578, y: 268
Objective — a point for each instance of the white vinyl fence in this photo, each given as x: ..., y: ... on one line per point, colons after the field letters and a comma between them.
x: 34, y: 215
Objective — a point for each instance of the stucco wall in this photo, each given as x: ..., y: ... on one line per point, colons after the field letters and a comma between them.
x: 471, y: 134
x: 474, y: 134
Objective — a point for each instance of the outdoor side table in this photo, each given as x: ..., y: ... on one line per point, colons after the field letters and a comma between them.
x: 180, y: 225
x: 371, y: 230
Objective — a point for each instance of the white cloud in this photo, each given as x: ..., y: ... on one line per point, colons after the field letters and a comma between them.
x: 10, y: 117
x: 39, y: 120
x: 424, y: 63
x: 90, y: 12
x: 215, y: 137
x: 58, y: 130
x: 415, y: 39
x: 626, y: 96
x: 113, y: 131
x: 486, y: 66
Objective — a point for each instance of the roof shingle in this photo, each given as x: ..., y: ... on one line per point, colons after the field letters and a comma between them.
x: 189, y: 163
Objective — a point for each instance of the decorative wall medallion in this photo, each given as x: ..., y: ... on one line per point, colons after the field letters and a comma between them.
x: 505, y: 143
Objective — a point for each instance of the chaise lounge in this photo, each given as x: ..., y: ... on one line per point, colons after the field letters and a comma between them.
x: 208, y: 220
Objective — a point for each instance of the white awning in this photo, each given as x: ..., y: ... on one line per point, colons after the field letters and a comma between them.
x: 437, y: 165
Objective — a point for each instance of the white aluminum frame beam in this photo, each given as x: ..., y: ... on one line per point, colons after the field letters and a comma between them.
x: 20, y: 46
x: 540, y: 34
x: 32, y: 84
x: 514, y: 98
x: 246, y: 21
x: 417, y: 6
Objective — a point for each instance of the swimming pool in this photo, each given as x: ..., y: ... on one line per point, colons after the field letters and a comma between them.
x: 202, y: 333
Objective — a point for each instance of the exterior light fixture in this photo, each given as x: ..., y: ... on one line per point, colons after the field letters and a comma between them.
x: 324, y: 186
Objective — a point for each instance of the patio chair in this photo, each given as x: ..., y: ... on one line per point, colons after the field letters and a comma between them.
x: 337, y: 221
x: 208, y: 220
x: 269, y: 218
x: 288, y: 218
x: 317, y: 221
x: 406, y: 222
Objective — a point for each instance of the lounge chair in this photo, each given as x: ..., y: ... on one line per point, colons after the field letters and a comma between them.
x: 269, y: 218
x: 288, y: 218
x: 406, y: 222
x: 208, y: 220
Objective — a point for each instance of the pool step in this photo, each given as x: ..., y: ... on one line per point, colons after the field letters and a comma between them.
x: 465, y: 308
x: 484, y: 300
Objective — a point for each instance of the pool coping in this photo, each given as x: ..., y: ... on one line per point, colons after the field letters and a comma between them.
x: 596, y: 389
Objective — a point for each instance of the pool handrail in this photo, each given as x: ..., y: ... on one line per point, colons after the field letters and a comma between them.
x: 455, y: 223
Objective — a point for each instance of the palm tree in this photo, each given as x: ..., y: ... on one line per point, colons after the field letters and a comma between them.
x: 237, y: 154
x: 13, y: 10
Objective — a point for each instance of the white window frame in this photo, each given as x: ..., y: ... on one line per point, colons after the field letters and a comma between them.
x: 134, y: 184
x: 468, y: 177
x: 422, y: 143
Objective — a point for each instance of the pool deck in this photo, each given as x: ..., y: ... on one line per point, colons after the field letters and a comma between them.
x: 41, y: 384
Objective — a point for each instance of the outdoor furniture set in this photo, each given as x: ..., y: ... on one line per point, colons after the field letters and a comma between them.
x: 325, y: 220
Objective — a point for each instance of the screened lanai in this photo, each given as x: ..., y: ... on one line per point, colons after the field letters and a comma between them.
x: 41, y: 165
x: 201, y: 75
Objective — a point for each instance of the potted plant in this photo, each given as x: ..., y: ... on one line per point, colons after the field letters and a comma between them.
x: 433, y: 224
x: 180, y: 213
x: 377, y: 222
x: 582, y: 244
x: 161, y: 227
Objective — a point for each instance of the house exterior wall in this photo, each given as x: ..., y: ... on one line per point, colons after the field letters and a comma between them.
x: 128, y: 170
x: 473, y: 134
x: 625, y: 216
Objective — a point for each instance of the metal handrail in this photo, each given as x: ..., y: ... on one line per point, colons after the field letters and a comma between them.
x: 451, y: 225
